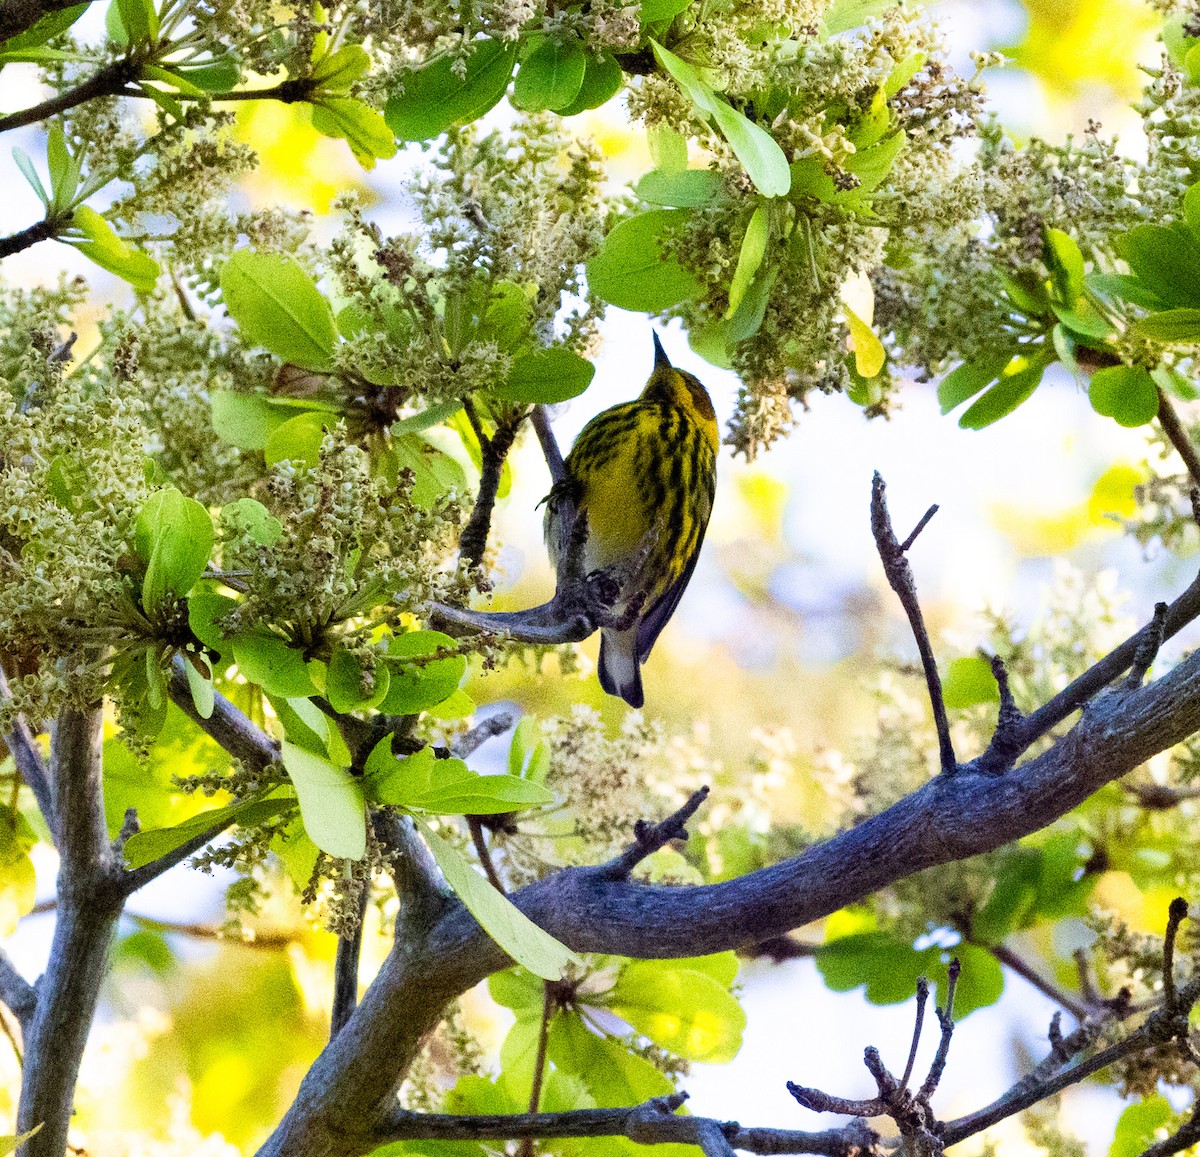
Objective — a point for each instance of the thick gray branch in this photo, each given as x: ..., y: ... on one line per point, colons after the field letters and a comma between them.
x: 89, y: 904
x: 951, y: 818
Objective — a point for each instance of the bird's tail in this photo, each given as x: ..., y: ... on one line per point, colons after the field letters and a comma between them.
x: 620, y: 671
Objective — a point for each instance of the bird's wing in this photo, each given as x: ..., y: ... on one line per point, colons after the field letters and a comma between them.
x: 652, y: 622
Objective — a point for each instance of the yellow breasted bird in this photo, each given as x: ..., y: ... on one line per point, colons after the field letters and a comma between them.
x: 644, y: 473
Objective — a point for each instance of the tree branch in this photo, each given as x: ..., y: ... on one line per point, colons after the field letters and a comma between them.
x: 28, y: 759
x: 1014, y: 961
x: 89, y: 906
x: 951, y: 818
x: 549, y: 444
x: 16, y: 992
x: 345, y: 968
x: 900, y: 578
x: 653, y: 1123
x: 240, y: 737
x: 1168, y: 419
x: 494, y: 450
x: 17, y: 16
x: 108, y: 81
x: 42, y: 230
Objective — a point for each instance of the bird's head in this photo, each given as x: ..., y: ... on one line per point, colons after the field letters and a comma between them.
x: 678, y: 387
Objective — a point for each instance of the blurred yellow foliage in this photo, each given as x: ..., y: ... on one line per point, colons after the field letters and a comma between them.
x: 1142, y: 911
x: 298, y: 167
x: 1070, y: 44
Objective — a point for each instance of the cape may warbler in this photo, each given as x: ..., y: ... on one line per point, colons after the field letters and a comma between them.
x: 644, y: 474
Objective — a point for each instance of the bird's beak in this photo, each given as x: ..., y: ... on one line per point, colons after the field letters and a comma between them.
x: 661, y: 361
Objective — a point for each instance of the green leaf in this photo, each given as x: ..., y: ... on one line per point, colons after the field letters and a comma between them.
x: 630, y: 270
x: 139, y: 19
x: 426, y: 418
x: 602, y: 80
x: 436, y: 98
x: 1173, y: 326
x: 64, y: 169
x: 174, y: 79
x: 331, y: 803
x: 30, y: 174
x: 174, y: 536
x: 970, y: 377
x: 107, y: 250
x: 1084, y: 319
x: 434, y: 473
x: 296, y: 440
x: 1122, y: 287
x: 762, y: 158
x: 201, y: 688
x: 220, y: 74
x: 969, y: 681
x: 1013, y: 898
x: 277, y: 668
x: 550, y: 77
x: 654, y: 10
x: 871, y: 166
x: 244, y: 420
x: 519, y: 936
x: 1127, y: 394
x: 1065, y: 262
x: 278, y: 306
x: 869, y: 354
x: 902, y: 73
x: 681, y: 188
x: 668, y: 147
x: 889, y: 967
x: 251, y: 517
x: 1015, y: 386
x: 415, y: 687
x: 146, y: 847
x: 548, y: 376
x: 345, y: 687
x: 477, y: 795
x: 364, y: 129
x: 613, y: 1074
x: 1137, y: 1127
x: 750, y: 257
x: 760, y: 155
x: 843, y: 15
x: 1166, y: 258
x: 686, y: 1012
x: 10, y: 1143
x: 204, y: 608
x: 337, y: 71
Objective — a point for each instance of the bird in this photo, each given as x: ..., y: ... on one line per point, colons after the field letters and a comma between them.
x: 644, y: 474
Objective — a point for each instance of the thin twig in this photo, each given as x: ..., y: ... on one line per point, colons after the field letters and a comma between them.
x: 1148, y: 648
x: 922, y: 997
x: 475, y: 827
x: 648, y: 838
x: 494, y: 450
x: 469, y: 742
x: 539, y: 1064
x: 549, y: 444
x: 945, y: 1015
x: 42, y: 230
x: 28, y: 759
x: 1012, y: 960
x: 108, y: 81
x: 1168, y: 419
x: 655, y: 1122
x: 900, y: 578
